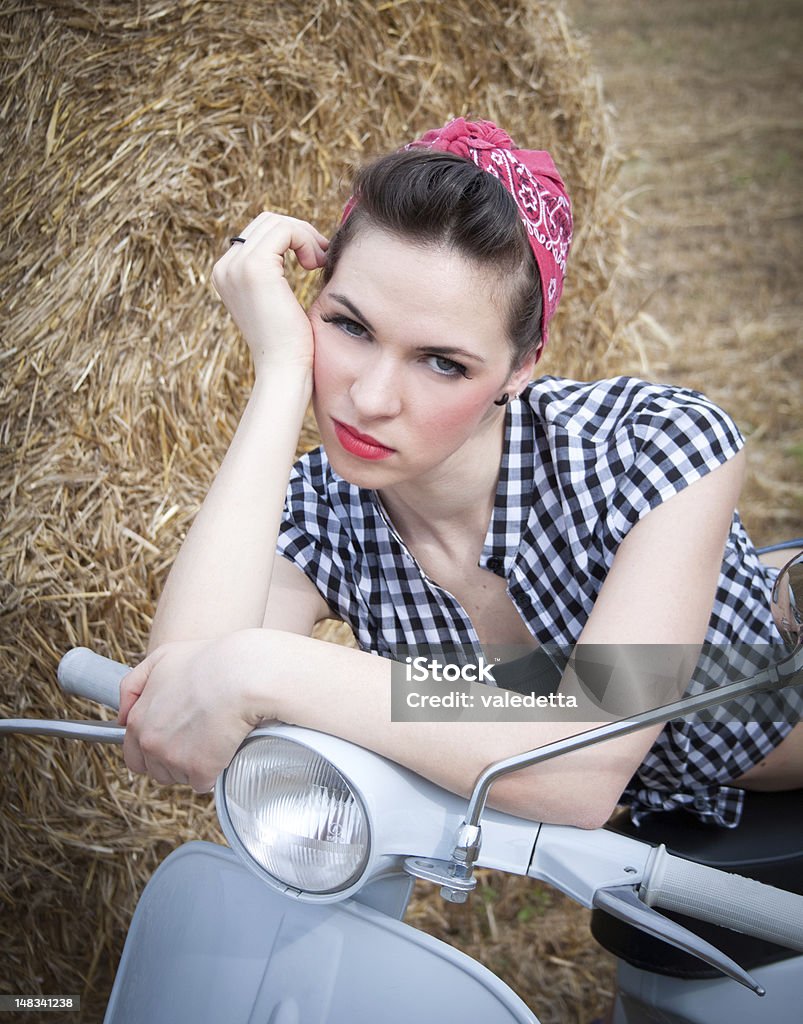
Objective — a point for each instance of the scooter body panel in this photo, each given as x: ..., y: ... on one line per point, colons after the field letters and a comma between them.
x: 209, y: 942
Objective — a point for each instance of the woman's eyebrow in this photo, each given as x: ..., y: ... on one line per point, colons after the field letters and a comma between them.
x: 352, y: 309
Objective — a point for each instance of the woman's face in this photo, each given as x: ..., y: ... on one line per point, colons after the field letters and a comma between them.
x: 410, y: 353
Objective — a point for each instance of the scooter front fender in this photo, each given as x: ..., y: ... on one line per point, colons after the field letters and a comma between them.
x: 209, y: 942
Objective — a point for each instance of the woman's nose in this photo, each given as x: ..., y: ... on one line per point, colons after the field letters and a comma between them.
x: 376, y: 389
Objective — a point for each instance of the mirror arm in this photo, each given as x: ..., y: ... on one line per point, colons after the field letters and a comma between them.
x: 775, y: 677
x: 469, y: 836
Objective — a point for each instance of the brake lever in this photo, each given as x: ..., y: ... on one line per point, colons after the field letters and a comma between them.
x: 622, y: 902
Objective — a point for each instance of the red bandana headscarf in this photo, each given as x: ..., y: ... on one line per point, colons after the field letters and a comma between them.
x: 533, y: 181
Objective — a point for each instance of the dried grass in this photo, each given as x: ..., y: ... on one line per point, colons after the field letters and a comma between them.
x: 136, y: 137
x: 534, y: 937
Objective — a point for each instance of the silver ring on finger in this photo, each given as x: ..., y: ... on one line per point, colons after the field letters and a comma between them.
x: 236, y: 238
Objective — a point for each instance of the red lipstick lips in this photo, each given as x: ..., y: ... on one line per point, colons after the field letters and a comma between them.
x: 362, y: 445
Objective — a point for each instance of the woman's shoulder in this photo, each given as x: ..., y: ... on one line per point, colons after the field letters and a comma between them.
x: 620, y: 447
x: 601, y: 410
x: 313, y: 467
x: 315, y: 490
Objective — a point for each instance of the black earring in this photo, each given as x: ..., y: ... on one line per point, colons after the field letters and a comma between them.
x: 503, y: 400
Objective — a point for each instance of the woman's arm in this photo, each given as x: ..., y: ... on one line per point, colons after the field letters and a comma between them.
x: 220, y: 580
x: 202, y: 699
x: 295, y: 605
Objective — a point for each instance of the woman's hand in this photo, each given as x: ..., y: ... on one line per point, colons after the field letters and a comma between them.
x: 250, y: 279
x: 186, y: 709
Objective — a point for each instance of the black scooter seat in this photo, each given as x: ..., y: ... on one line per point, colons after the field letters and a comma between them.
x: 767, y: 845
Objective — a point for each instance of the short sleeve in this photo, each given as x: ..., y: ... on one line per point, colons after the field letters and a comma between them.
x: 312, y: 537
x: 670, y: 439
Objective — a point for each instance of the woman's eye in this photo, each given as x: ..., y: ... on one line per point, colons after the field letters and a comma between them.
x: 346, y: 324
x: 446, y: 367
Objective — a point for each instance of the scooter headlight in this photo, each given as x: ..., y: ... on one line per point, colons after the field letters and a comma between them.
x: 295, y: 815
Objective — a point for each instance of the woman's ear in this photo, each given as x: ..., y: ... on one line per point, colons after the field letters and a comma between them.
x: 524, y: 373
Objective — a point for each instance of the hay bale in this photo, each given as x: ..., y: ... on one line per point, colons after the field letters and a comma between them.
x: 136, y: 137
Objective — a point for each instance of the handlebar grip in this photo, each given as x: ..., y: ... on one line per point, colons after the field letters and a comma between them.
x: 735, y: 902
x: 87, y: 674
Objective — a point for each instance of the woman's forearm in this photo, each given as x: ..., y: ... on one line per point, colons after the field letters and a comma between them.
x: 220, y: 580
x: 347, y: 693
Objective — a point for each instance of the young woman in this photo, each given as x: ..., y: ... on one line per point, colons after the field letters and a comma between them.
x: 452, y: 502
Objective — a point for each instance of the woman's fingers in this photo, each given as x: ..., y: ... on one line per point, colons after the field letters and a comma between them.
x: 150, y: 760
x: 273, y: 234
x: 131, y: 687
x: 268, y: 217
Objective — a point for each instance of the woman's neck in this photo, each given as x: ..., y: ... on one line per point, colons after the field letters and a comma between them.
x: 460, y: 495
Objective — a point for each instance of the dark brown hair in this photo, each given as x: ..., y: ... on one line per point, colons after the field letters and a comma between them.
x: 429, y: 197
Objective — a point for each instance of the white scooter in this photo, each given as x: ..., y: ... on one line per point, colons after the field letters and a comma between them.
x: 300, y: 920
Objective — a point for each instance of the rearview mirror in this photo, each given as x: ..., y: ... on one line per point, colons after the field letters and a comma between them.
x: 787, y: 602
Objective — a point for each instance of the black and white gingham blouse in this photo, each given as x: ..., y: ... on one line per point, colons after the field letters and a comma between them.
x: 582, y: 463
